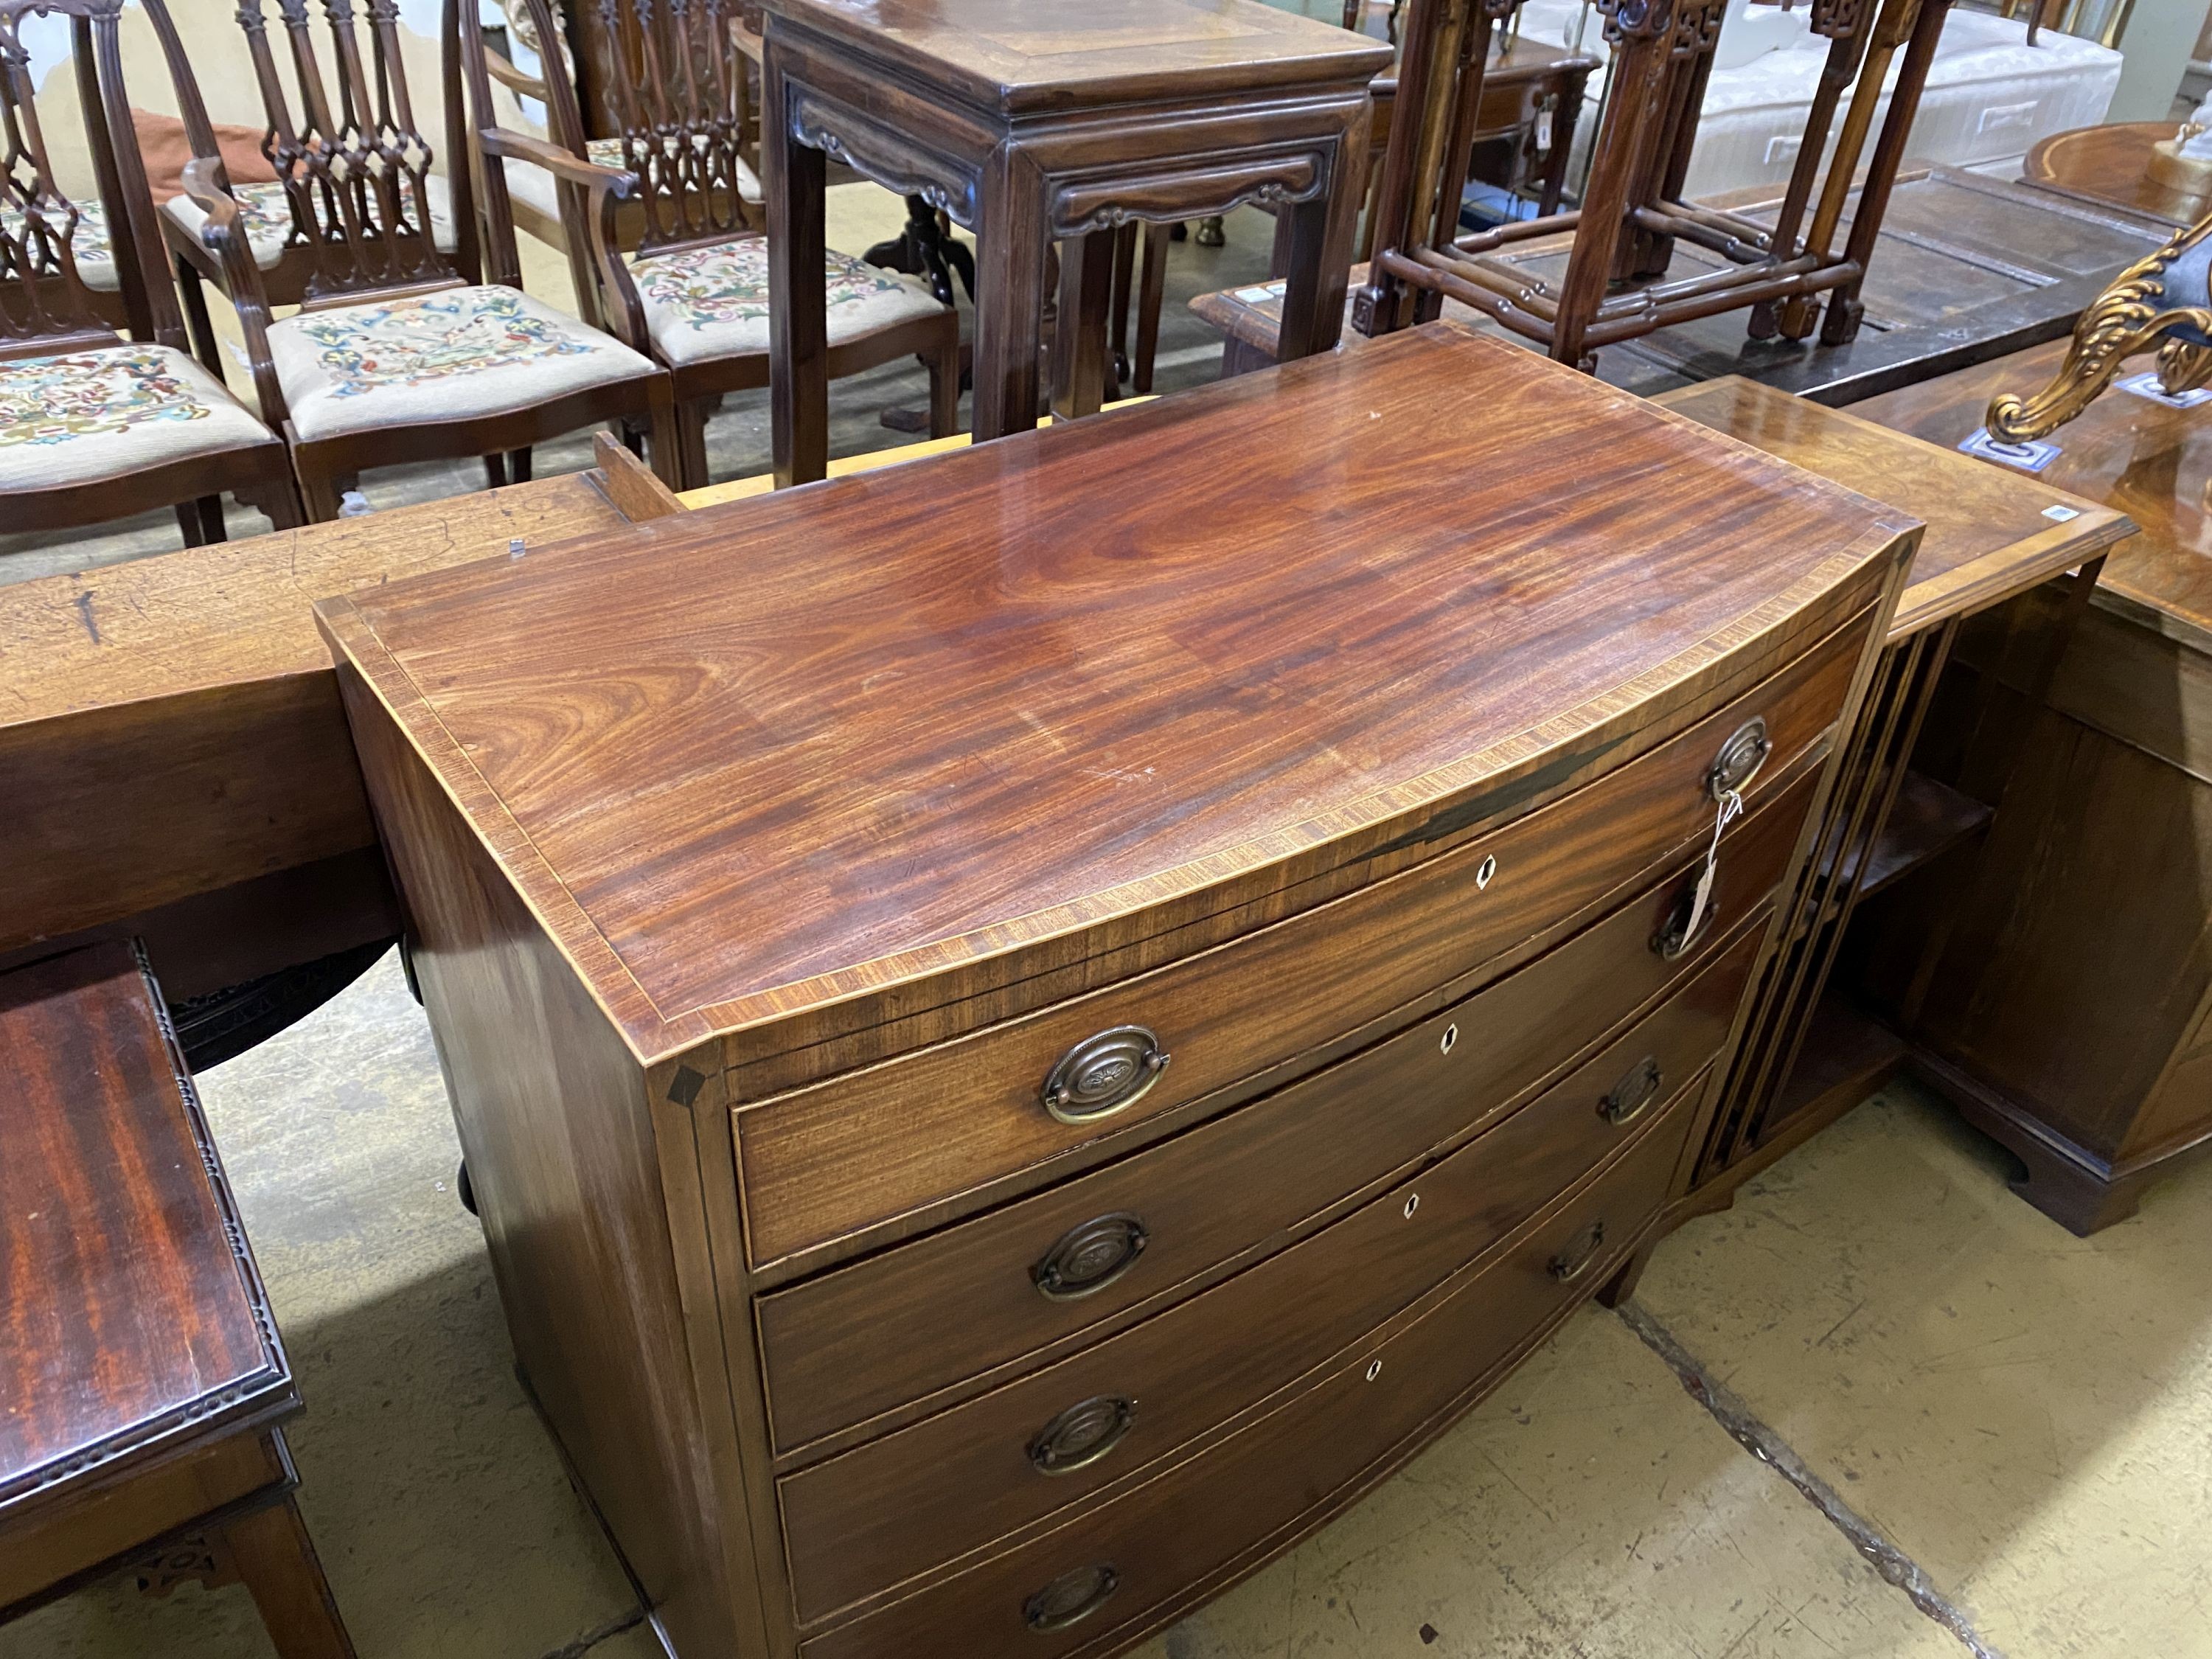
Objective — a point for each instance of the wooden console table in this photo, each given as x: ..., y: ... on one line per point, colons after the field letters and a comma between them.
x: 1031, y: 121
x: 144, y: 1377
x: 176, y: 767
x: 809, y: 953
x: 2070, y: 1012
x: 1992, y: 536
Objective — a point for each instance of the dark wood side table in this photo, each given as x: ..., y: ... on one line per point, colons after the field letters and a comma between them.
x: 2109, y: 167
x: 1032, y: 121
x: 143, y: 1374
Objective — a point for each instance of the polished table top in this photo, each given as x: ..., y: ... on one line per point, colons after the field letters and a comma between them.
x: 773, y: 755
x: 2110, y: 165
x: 2152, y: 462
x: 1040, y: 55
x: 1991, y: 533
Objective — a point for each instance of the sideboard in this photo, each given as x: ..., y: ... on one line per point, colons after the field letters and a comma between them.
x: 1021, y: 1042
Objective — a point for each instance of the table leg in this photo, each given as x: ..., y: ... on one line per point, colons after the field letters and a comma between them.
x: 276, y: 1559
x: 1314, y: 250
x: 1010, y: 296
x: 1078, y: 343
x: 799, y: 305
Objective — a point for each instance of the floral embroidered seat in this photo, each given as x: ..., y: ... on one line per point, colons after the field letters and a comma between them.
x: 713, y: 301
x: 457, y: 354
x: 80, y: 416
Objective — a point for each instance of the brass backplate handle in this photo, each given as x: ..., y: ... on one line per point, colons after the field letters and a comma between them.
x: 1739, y: 759
x: 1103, y: 1074
x: 1082, y: 1434
x: 1088, y: 1257
x: 1581, y: 1249
x: 1675, y: 935
x: 1071, y: 1598
x: 1631, y: 1097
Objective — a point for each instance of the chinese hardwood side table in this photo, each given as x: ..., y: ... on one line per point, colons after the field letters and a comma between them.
x: 144, y: 1377
x: 1032, y: 121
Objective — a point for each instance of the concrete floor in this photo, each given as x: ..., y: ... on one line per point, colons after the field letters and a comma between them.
x: 2016, y: 1424
x: 857, y: 216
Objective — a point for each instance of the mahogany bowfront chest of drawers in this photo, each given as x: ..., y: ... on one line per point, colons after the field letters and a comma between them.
x: 1027, y: 1026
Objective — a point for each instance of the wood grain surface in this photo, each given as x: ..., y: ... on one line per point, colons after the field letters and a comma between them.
x: 2144, y: 459
x: 1351, y: 589
x: 1990, y: 532
x: 1017, y: 55
x: 170, y: 726
x: 130, y: 1310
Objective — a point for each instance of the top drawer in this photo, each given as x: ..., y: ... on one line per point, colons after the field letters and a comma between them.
x: 918, y: 1139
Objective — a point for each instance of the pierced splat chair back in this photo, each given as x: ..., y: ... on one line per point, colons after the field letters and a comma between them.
x: 684, y: 106
x: 351, y: 153
x: 46, y: 237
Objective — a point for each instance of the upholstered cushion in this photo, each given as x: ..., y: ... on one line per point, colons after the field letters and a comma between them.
x: 531, y: 185
x: 88, y: 244
x: 713, y: 301
x: 454, y: 355
x: 267, y: 217
x: 113, y: 410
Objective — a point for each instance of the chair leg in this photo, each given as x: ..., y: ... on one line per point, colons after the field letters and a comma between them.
x: 691, y: 428
x: 318, y: 495
x: 945, y: 385
x: 278, y: 1560
x: 188, y: 520
x: 198, y: 323
x: 495, y: 468
x: 212, y: 527
x: 518, y: 465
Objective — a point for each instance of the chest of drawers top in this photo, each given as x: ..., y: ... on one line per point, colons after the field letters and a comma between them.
x: 945, y: 726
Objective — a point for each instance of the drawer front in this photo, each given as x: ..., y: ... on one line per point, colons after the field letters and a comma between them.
x: 890, y: 1510
x: 953, y: 1306
x: 1131, y: 1555
x: 823, y: 1163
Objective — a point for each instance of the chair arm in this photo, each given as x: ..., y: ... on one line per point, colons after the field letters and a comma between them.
x: 503, y: 71
x: 604, y: 188
x: 561, y: 163
x: 223, y: 236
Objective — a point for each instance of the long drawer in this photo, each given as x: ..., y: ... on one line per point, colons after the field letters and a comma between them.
x: 892, y: 1509
x: 980, y: 1108
x: 1130, y: 1555
x: 963, y: 1301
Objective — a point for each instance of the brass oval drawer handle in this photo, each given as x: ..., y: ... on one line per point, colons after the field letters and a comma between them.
x: 1104, y: 1074
x: 1089, y: 1257
x: 1633, y: 1096
x: 1740, y: 758
x: 1082, y: 1434
x: 1071, y: 1598
x: 1581, y: 1249
x: 1686, y: 923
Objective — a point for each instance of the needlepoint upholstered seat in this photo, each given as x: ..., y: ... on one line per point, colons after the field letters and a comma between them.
x: 83, y: 416
x: 457, y: 354
x: 712, y: 302
x: 93, y: 425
